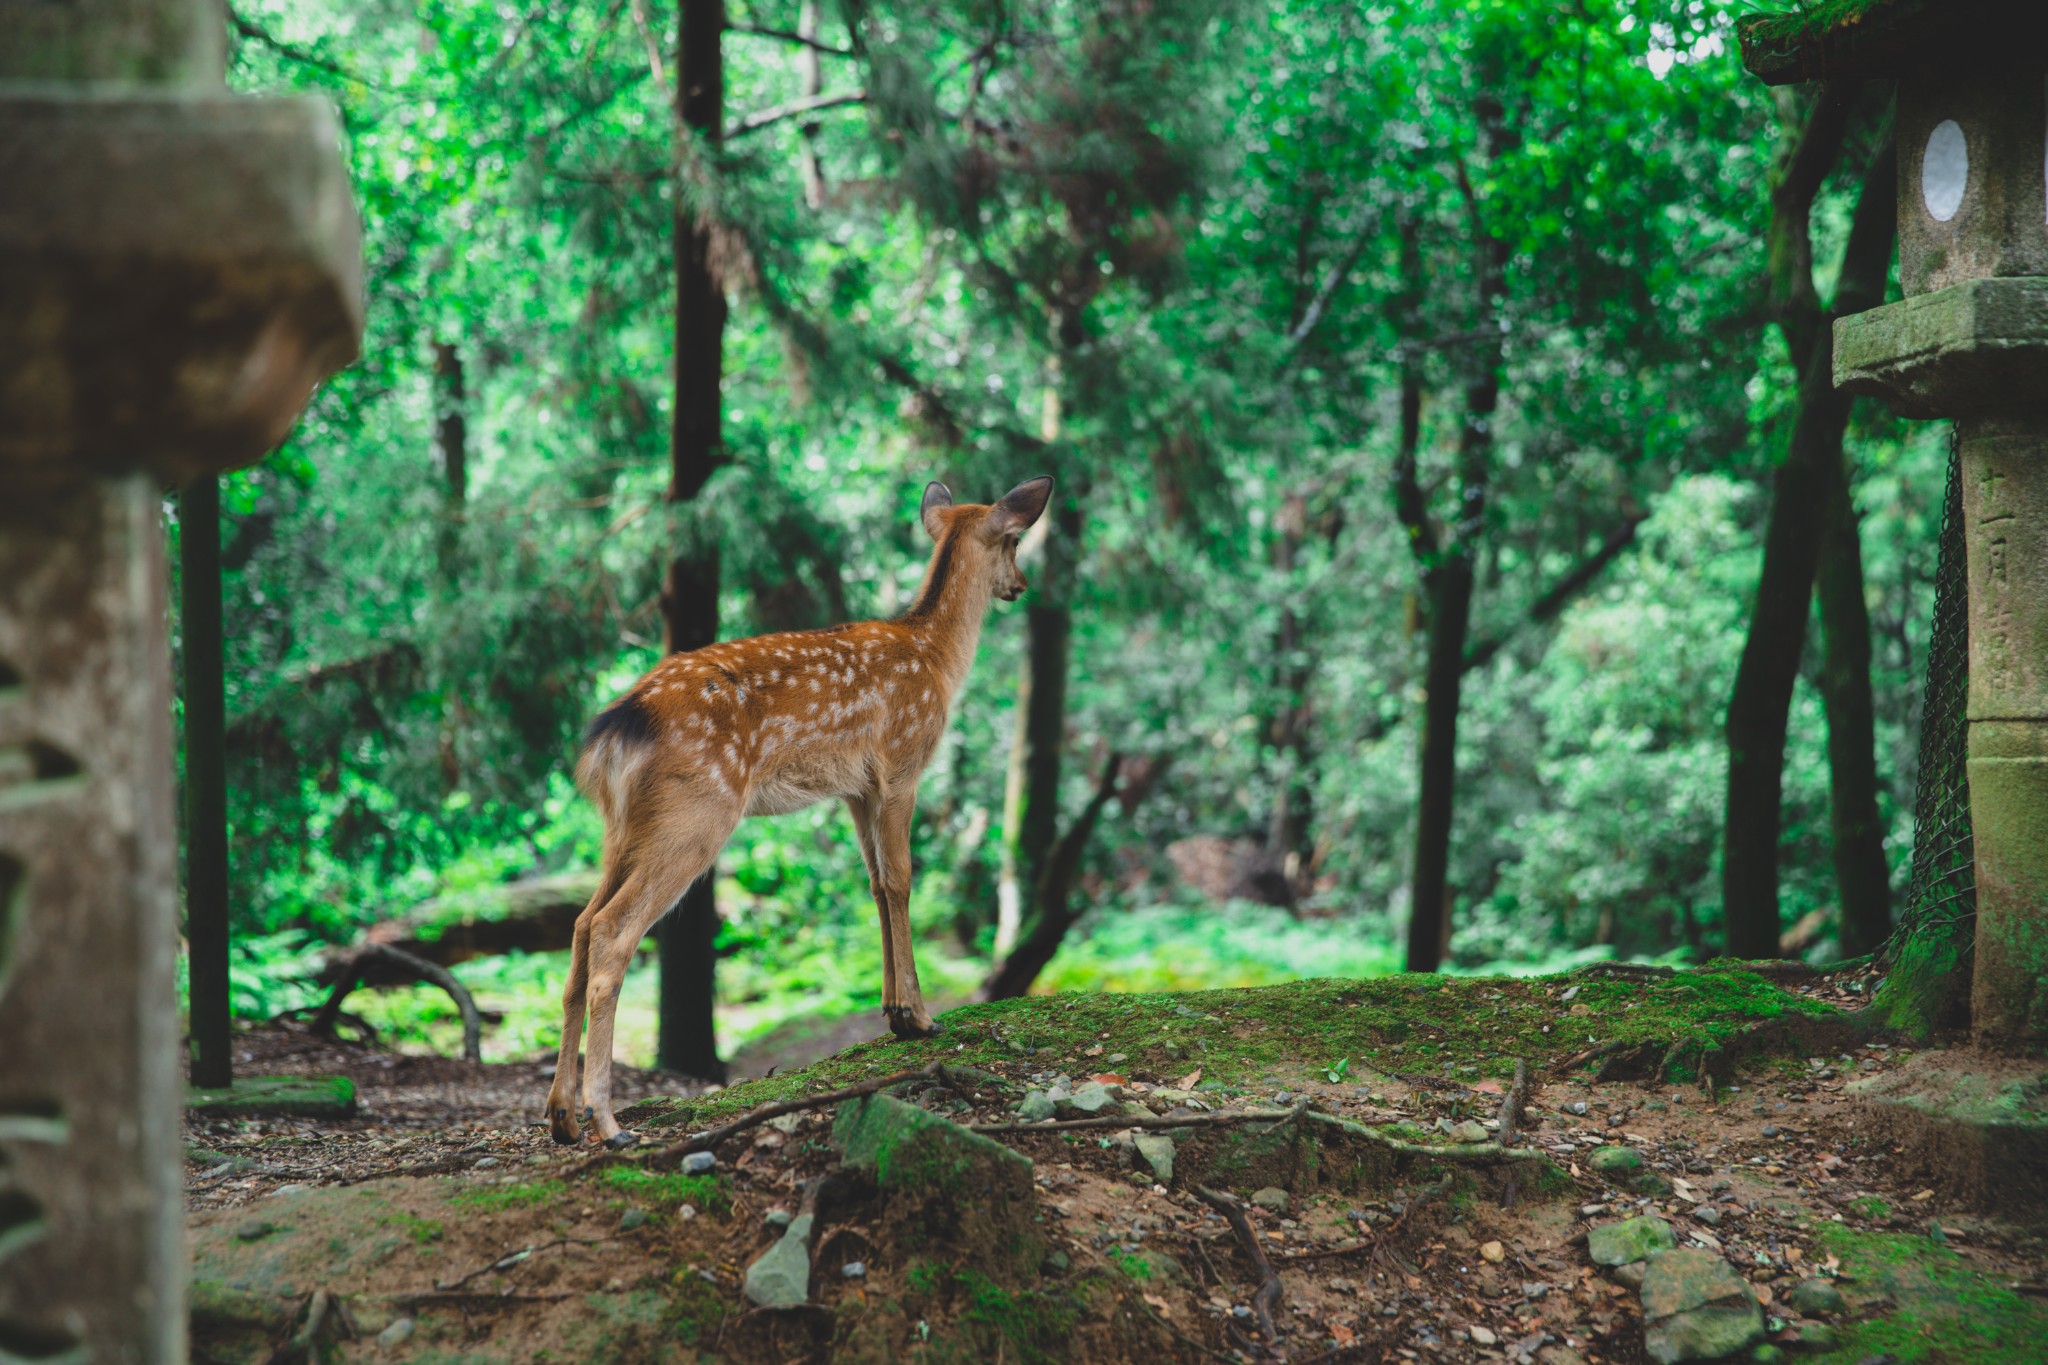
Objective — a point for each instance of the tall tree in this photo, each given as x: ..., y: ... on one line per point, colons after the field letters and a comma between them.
x: 1808, y: 507
x: 689, y: 596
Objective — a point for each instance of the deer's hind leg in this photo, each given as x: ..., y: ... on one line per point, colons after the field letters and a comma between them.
x: 674, y: 849
x: 562, y: 1125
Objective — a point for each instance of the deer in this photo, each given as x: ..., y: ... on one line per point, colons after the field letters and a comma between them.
x: 766, y: 726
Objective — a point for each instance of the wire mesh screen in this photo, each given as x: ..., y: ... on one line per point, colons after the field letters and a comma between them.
x: 1943, y: 887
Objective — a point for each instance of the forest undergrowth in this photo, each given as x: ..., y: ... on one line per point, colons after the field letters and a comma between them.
x: 1354, y: 1127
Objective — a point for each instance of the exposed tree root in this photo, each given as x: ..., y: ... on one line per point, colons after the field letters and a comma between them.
x: 350, y: 974
x: 1270, y: 1289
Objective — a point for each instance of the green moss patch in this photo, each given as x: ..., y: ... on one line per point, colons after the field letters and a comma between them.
x: 1250, y: 1036
x: 706, y: 1192
x: 1944, y: 1312
x: 1030, y: 1326
x: 496, y: 1198
x: 311, y: 1097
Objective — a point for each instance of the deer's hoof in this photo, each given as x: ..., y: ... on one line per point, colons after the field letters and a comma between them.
x: 562, y: 1125
x: 621, y: 1140
x: 904, y: 1023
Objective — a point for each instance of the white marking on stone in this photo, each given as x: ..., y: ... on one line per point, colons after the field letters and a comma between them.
x: 1945, y: 170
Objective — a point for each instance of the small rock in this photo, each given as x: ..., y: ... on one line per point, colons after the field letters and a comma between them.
x: 1695, y: 1307
x: 1770, y: 1130
x: 1283, y: 1097
x: 781, y: 1276
x: 697, y: 1163
x: 632, y: 1218
x: 1616, y: 1161
x: 1468, y: 1131
x: 1492, y: 1252
x: 1630, y: 1276
x: 1591, y: 1210
x: 1482, y: 1336
x: 1090, y: 1097
x: 1037, y: 1106
x: 1058, y: 1261
x: 1157, y: 1151
x: 1635, y: 1239
x: 778, y: 1219
x: 1708, y: 1214
x: 396, y: 1334
x: 1576, y: 1107
x: 1817, y: 1298
x: 487, y: 1163
x: 1818, y: 1336
x: 1272, y: 1199
x: 255, y: 1231
x: 853, y: 1270
x: 1116, y: 1057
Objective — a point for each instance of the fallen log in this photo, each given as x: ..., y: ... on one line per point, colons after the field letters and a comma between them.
x: 534, y: 915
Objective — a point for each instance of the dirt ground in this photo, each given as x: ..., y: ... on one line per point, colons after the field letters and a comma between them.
x: 443, y: 1225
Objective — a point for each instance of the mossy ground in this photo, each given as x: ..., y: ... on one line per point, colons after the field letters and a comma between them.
x: 1475, y: 1026
x: 313, y: 1097
x: 1944, y: 1311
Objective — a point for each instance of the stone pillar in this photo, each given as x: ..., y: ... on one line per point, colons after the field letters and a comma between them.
x: 1970, y: 342
x: 177, y: 270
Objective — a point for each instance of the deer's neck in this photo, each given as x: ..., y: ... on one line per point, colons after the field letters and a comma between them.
x: 951, y: 605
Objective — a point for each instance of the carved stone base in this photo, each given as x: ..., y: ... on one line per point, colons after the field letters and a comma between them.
x: 91, y: 1223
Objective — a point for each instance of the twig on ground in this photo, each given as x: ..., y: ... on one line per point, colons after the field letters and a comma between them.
x: 1483, y: 1153
x: 753, y: 1118
x: 1511, y: 1118
x: 512, y: 1258
x: 475, y: 1297
x: 1270, y: 1289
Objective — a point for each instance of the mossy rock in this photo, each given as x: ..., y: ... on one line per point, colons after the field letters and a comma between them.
x: 305, y: 1097
x: 942, y: 1185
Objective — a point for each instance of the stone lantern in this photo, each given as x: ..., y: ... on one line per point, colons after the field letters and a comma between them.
x: 178, y: 269
x: 1970, y: 342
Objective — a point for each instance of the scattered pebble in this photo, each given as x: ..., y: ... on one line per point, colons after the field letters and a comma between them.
x: 397, y: 1334
x: 1482, y: 1336
x: 632, y: 1218
x: 697, y: 1163
x: 854, y: 1270
x: 1492, y: 1252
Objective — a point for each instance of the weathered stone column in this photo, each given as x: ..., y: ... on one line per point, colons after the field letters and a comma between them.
x: 177, y: 270
x: 1970, y: 342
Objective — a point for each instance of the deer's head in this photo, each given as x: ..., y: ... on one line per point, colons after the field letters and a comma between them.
x: 983, y: 539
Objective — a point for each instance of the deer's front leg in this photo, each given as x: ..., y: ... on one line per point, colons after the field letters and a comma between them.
x: 908, y: 1018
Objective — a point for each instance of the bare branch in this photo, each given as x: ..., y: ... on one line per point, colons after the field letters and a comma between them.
x: 754, y: 122
x: 808, y: 40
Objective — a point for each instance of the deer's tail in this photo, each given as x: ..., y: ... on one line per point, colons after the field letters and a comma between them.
x: 615, y: 747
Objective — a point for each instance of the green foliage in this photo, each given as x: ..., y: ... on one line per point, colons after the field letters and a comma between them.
x: 1181, y: 230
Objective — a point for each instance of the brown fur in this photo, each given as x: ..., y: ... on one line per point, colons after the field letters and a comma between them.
x: 770, y: 725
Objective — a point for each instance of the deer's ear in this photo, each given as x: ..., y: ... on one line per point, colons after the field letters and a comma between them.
x: 936, y: 495
x: 1021, y: 506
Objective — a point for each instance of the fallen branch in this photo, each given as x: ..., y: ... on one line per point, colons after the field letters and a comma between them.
x: 352, y: 973
x: 1510, y: 1117
x: 1270, y: 1289
x: 1483, y: 1153
x: 476, y: 1298
x: 512, y: 1258
x: 754, y: 1118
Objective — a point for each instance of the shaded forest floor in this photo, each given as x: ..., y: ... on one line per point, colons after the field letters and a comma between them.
x: 441, y: 1225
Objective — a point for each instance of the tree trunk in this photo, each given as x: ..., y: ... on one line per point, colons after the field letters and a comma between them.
x: 1770, y: 665
x: 1287, y: 731
x: 1449, y: 587
x: 1031, y: 796
x: 451, y: 447
x: 1801, y: 496
x: 1053, y: 897
x: 687, y: 937
x: 206, y: 793
x: 1862, y: 878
